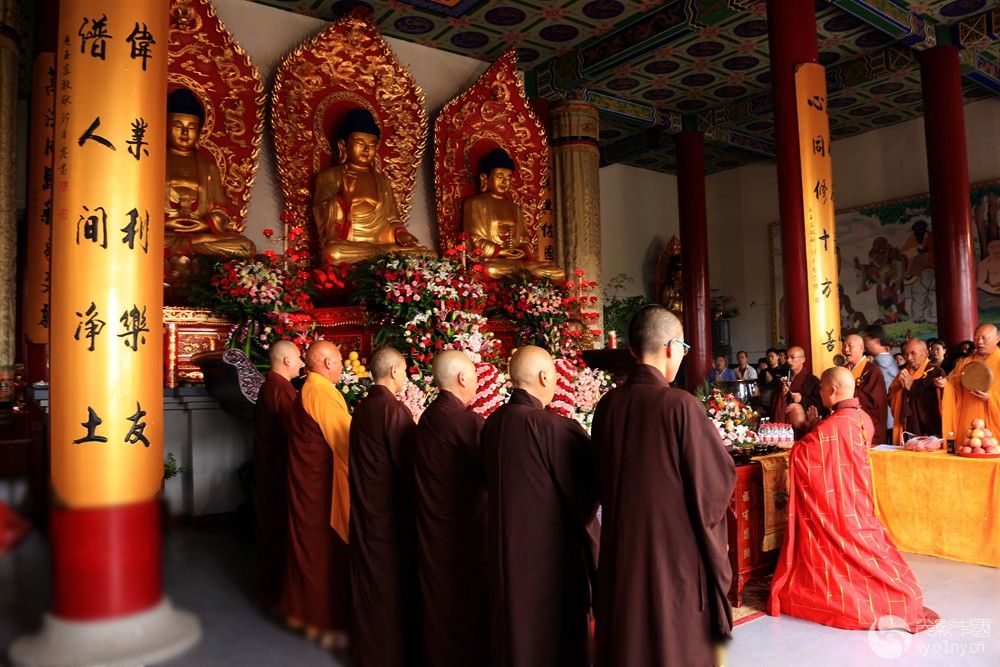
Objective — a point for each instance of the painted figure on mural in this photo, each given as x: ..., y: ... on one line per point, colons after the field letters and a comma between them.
x: 918, y: 249
x: 353, y: 204
x: 196, y: 220
x: 494, y: 224
x: 885, y: 271
x: 988, y: 270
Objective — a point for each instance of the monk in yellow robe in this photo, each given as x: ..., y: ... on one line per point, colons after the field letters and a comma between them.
x: 353, y: 204
x: 316, y: 593
x: 960, y: 406
x: 494, y: 224
x: 915, y: 401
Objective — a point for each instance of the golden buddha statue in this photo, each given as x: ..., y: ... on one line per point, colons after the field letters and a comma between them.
x: 353, y: 204
x: 494, y: 224
x: 196, y: 221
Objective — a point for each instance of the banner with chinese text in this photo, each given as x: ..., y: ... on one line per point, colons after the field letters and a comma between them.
x: 818, y: 215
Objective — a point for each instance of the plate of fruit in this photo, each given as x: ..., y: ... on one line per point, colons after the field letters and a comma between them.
x: 979, y: 442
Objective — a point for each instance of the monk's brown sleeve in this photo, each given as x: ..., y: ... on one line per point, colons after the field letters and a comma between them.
x: 709, y: 478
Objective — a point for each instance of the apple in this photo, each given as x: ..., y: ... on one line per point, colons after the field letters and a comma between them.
x: 978, y: 423
x: 978, y: 450
x: 978, y: 433
x: 988, y: 433
x: 965, y: 450
x: 975, y: 442
x: 993, y: 450
x: 968, y: 434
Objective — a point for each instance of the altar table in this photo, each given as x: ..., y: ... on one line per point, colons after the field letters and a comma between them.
x: 939, y: 504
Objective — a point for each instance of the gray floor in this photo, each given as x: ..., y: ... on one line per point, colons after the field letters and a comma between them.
x: 209, y: 573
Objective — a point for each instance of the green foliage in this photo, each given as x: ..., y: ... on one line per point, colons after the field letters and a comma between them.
x: 170, y: 467
x: 618, y: 310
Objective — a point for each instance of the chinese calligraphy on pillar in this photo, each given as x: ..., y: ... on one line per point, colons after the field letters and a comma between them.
x: 818, y: 209
x: 107, y: 272
x: 40, y: 183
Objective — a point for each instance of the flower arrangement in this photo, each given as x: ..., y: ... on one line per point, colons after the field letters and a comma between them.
x: 354, y: 381
x: 578, y: 389
x: 425, y: 306
x: 270, y: 301
x: 734, y: 420
x: 492, y: 391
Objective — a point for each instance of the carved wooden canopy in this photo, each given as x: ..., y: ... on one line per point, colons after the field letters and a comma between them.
x: 494, y: 112
x: 348, y: 65
x: 204, y: 58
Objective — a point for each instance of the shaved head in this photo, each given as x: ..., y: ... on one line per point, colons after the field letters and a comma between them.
x: 319, y: 352
x: 986, y: 338
x: 455, y: 372
x: 282, y: 349
x: 836, y: 385
x: 532, y: 369
x: 854, y: 348
x: 796, y: 358
x: 323, y: 357
x: 915, y: 352
x: 286, y: 359
x: 447, y: 366
x: 383, y: 361
x: 650, y: 328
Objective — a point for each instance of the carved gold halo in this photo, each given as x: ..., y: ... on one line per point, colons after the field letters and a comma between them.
x: 349, y: 60
x: 234, y: 147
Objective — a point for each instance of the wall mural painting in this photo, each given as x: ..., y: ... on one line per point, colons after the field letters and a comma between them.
x: 886, y: 261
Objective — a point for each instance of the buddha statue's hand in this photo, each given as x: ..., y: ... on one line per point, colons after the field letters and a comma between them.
x: 186, y: 226
x: 511, y: 253
x: 405, y: 238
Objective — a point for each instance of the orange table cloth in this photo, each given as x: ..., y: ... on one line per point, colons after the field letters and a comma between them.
x: 939, y: 504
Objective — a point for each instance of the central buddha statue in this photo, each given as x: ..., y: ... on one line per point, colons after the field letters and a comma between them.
x: 494, y: 224
x: 353, y: 204
x: 195, y: 218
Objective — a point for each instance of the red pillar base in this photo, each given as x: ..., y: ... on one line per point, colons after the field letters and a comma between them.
x: 105, y: 561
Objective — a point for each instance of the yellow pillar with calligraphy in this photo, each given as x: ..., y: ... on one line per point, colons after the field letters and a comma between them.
x: 819, y: 214
x: 107, y: 252
x: 39, y: 214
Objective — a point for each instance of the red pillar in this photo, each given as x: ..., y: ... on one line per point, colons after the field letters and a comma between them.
x: 694, y: 255
x: 948, y: 175
x: 791, y: 31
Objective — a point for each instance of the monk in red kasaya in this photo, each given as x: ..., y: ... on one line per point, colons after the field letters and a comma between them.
x: 837, y: 565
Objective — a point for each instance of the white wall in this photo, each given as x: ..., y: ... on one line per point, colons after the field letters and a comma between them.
x: 267, y: 34
x: 638, y: 217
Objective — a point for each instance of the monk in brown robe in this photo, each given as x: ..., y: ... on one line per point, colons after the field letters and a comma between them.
x: 666, y: 481
x: 270, y: 468
x: 869, y: 385
x: 802, y: 389
x: 915, y: 401
x: 316, y: 589
x: 451, y: 519
x: 542, y: 495
x: 384, y: 588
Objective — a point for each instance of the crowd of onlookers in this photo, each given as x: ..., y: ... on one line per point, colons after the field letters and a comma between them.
x: 773, y: 366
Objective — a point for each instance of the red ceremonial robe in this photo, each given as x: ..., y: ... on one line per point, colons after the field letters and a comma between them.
x: 384, y: 584
x: 869, y: 389
x: 451, y: 533
x: 804, y: 383
x: 837, y: 565
x: 542, y: 495
x: 666, y: 481
x: 316, y: 587
x: 270, y: 483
